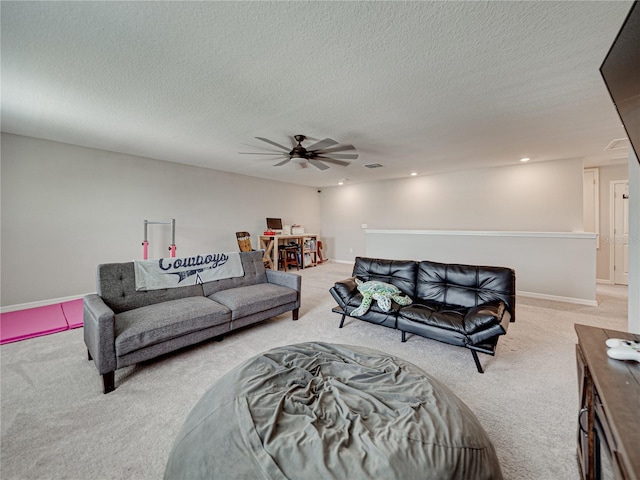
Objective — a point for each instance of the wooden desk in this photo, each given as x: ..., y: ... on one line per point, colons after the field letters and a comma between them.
x: 308, y: 241
x: 609, y: 418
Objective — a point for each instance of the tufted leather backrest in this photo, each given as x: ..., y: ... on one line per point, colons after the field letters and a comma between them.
x: 466, y: 285
x: 401, y: 273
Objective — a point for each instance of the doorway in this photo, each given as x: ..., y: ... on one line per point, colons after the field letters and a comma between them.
x: 620, y: 232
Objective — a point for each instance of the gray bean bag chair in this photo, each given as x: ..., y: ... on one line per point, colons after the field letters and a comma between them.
x: 321, y: 411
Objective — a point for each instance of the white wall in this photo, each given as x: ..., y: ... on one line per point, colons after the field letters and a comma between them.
x: 603, y: 257
x: 66, y: 209
x: 634, y: 243
x: 544, y: 196
x: 567, y: 272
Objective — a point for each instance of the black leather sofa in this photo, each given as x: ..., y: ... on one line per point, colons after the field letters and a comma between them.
x: 466, y: 305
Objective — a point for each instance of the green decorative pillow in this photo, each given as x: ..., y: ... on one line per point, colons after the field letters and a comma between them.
x: 382, y: 293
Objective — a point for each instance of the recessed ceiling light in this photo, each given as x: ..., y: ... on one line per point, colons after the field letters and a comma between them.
x: 413, y: 174
x: 342, y: 181
x: 525, y: 159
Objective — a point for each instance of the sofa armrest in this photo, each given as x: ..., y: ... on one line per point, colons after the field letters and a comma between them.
x: 343, y: 291
x: 483, y: 316
x: 285, y: 279
x: 99, y: 333
x: 346, y: 288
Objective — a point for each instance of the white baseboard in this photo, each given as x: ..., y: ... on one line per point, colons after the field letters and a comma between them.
x: 40, y: 303
x: 556, y: 298
x: 604, y: 281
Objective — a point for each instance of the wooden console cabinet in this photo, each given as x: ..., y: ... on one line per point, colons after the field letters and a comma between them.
x: 609, y: 416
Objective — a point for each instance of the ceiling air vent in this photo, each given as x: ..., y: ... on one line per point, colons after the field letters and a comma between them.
x: 617, y: 144
x: 373, y: 165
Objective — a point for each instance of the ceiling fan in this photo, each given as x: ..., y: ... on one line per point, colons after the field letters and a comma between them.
x: 318, y: 154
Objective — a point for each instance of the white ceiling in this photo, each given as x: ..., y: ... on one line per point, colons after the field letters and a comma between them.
x: 415, y: 86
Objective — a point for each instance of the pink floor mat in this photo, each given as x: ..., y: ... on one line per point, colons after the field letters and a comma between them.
x: 73, y: 313
x: 35, y: 322
x: 32, y: 322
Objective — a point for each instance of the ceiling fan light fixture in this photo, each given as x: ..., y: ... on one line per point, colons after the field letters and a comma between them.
x: 317, y: 155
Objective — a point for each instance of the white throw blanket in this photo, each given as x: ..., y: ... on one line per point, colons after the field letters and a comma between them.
x: 178, y: 272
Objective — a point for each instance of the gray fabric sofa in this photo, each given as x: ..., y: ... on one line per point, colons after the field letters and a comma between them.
x: 123, y: 326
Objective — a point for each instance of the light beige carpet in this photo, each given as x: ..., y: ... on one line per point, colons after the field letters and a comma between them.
x: 57, y: 424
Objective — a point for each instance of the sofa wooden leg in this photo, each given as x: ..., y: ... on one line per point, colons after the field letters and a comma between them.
x: 477, y: 360
x: 404, y: 336
x: 109, y: 382
x: 342, y: 321
x: 295, y: 312
x: 89, y: 355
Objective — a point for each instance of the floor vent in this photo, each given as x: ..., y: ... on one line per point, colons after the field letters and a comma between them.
x: 373, y: 165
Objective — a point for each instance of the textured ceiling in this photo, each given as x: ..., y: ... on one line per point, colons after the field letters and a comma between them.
x: 415, y: 86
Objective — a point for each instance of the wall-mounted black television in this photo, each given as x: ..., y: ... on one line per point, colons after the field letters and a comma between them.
x: 621, y: 73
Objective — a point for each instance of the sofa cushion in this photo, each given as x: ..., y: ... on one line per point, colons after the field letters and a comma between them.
x: 160, y: 322
x: 401, y: 273
x: 465, y: 285
x: 243, y: 301
x: 438, y: 315
x: 463, y: 320
x: 116, y: 284
x: 254, y: 273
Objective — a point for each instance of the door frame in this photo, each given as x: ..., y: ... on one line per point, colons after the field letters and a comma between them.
x: 612, y: 221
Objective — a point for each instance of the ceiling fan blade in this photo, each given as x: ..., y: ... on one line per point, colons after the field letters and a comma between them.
x: 339, y: 148
x: 286, y: 149
x: 342, y: 156
x: 333, y: 160
x: 318, y: 164
x: 279, y: 164
x: 327, y: 142
x: 260, y: 153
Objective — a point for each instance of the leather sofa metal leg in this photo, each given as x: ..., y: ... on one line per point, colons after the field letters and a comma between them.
x: 342, y: 320
x: 89, y: 355
x: 109, y: 382
x: 404, y: 336
x: 477, y: 360
x: 294, y: 313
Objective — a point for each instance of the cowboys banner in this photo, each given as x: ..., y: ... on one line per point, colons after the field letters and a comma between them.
x: 179, y: 272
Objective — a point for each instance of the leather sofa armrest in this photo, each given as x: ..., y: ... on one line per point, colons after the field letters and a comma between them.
x: 99, y: 333
x: 483, y: 316
x: 343, y: 292
x: 346, y: 288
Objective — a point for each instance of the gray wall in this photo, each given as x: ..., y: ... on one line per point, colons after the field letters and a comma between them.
x: 603, y: 257
x: 545, y: 196
x: 67, y: 208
